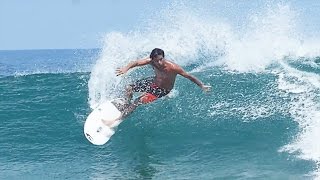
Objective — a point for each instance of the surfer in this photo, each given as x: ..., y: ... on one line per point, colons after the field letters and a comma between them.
x: 158, y: 86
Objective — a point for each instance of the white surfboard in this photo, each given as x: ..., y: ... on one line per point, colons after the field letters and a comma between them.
x: 101, y: 123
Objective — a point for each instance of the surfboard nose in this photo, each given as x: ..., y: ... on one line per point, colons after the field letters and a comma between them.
x: 100, y: 124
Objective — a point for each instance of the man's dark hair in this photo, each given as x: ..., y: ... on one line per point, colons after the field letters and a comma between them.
x: 156, y: 52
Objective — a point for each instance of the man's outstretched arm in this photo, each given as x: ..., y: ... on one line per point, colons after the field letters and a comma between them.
x: 183, y: 73
x: 133, y: 64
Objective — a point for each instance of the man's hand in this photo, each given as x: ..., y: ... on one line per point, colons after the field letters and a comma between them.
x: 121, y: 71
x: 206, y: 88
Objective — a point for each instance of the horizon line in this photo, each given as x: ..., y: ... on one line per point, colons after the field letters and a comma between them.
x: 44, y: 49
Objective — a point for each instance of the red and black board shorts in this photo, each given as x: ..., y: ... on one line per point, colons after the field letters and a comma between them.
x: 153, y: 91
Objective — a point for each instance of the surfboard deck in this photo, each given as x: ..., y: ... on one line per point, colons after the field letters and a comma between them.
x: 101, y: 123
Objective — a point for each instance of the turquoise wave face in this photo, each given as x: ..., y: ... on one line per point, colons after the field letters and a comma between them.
x: 252, y: 125
x: 236, y: 131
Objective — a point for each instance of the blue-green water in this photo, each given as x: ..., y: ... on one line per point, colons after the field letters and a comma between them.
x: 235, y: 132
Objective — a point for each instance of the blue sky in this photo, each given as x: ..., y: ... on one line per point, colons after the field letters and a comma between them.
x: 41, y: 24
x: 51, y: 24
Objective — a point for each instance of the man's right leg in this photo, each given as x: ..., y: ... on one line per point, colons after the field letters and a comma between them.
x: 140, y: 86
x: 131, y: 107
x: 143, y: 99
x: 129, y: 93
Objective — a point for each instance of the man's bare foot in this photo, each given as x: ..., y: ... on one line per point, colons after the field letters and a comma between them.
x: 113, y: 123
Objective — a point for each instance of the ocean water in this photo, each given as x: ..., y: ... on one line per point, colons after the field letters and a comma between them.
x: 261, y: 120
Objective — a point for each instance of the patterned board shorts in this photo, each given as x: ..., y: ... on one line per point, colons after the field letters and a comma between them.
x: 152, y: 90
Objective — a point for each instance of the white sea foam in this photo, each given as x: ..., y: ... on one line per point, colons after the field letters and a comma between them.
x: 304, y: 107
x: 271, y: 37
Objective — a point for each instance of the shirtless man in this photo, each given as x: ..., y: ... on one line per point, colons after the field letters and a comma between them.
x: 158, y: 86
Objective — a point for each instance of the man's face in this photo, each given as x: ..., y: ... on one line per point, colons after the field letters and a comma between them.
x: 158, y: 60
